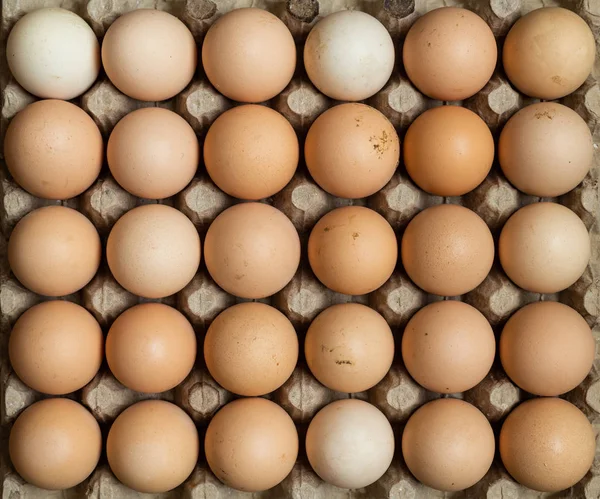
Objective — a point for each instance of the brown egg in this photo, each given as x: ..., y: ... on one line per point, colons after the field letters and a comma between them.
x: 252, y: 250
x: 153, y: 153
x: 151, y: 348
x: 549, y: 53
x: 251, y: 349
x: 547, y: 444
x: 448, y: 444
x: 349, y: 347
x: 55, y: 444
x: 352, y: 150
x: 53, y: 149
x: 251, y: 444
x: 546, y: 149
x: 251, y: 152
x: 447, y: 250
x: 547, y: 348
x: 353, y: 250
x: 544, y: 247
x: 56, y: 347
x: 153, y: 251
x: 448, y: 347
x: 249, y: 55
x: 450, y: 53
x: 448, y: 151
x: 54, y: 251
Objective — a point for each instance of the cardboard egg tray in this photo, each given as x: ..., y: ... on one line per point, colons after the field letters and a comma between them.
x: 397, y: 395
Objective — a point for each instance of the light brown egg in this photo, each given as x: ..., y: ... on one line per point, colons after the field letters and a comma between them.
x: 549, y: 53
x: 55, y: 444
x: 249, y: 55
x: 251, y: 349
x: 448, y: 347
x: 251, y: 444
x: 450, y: 53
x: 544, y: 247
x: 448, y: 444
x: 448, y: 151
x: 447, y: 250
x: 54, y: 251
x: 547, y: 444
x: 352, y: 150
x: 352, y: 250
x: 153, y: 251
x: 251, y: 152
x: 349, y: 347
x: 53, y: 149
x: 252, y: 250
x: 545, y: 149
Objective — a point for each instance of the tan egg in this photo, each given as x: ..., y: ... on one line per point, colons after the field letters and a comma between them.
x: 252, y: 250
x: 448, y: 445
x: 448, y: 347
x: 55, y: 444
x: 544, y: 248
x: 545, y: 149
x: 153, y: 251
x: 447, y: 250
x: 549, y: 53
x: 547, y: 348
x: 448, y: 151
x: 352, y: 150
x: 450, y: 53
x: 352, y: 250
x: 249, y: 55
x: 54, y: 251
x: 251, y: 152
x: 153, y: 153
x: 251, y: 444
x: 547, y: 444
x: 349, y: 347
x: 53, y: 149
x: 152, y: 446
x: 56, y: 347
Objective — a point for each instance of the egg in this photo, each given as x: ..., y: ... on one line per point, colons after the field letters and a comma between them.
x: 251, y: 444
x: 447, y: 250
x: 251, y: 349
x: 448, y: 445
x: 352, y: 150
x: 547, y: 444
x: 450, y: 53
x: 249, y: 55
x: 546, y: 149
x: 350, y: 444
x: 448, y: 151
x: 353, y: 250
x: 349, y: 55
x: 349, y: 347
x: 153, y: 251
x: 55, y: 444
x: 153, y: 153
x: 53, y: 149
x: 251, y: 152
x: 549, y: 53
x: 151, y: 348
x: 54, y: 251
x: 149, y: 54
x: 252, y: 250
x: 56, y: 347
x: 448, y: 347
x: 152, y: 446
x: 544, y: 248
x: 53, y: 53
